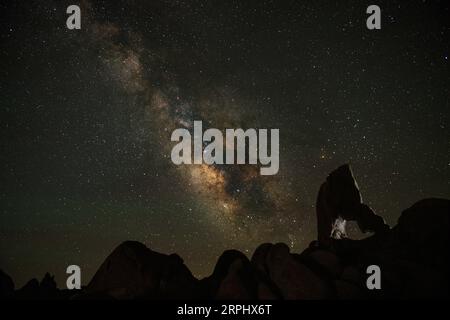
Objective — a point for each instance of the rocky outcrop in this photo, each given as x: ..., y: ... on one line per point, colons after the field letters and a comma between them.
x: 413, y: 258
x: 133, y: 271
x: 46, y: 289
x: 232, y: 278
x: 6, y: 285
x: 338, y: 201
x: 414, y: 255
x: 292, y: 279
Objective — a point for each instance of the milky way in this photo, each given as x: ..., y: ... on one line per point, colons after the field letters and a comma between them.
x: 237, y: 197
x: 87, y: 117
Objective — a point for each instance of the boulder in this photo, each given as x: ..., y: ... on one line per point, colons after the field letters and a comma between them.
x: 293, y: 279
x: 237, y: 284
x: 327, y: 261
x: 348, y: 291
x: 423, y: 233
x: 29, y: 291
x: 6, y: 285
x: 351, y: 274
x: 338, y: 201
x: 134, y: 271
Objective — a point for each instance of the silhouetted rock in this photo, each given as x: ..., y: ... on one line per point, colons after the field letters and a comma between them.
x: 351, y: 274
x: 293, y: 279
x: 339, y: 201
x: 238, y: 283
x: 47, y: 287
x: 232, y: 278
x: 134, y: 271
x: 267, y: 289
x: 424, y: 232
x: 413, y: 258
x: 259, y: 257
x: 30, y: 290
x: 224, y: 262
x: 328, y: 261
x: 6, y: 285
x: 347, y: 290
x: 266, y: 292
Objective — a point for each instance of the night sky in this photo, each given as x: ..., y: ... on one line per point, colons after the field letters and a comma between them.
x: 86, y: 118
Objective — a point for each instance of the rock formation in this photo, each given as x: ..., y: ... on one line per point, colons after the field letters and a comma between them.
x: 338, y: 201
x: 134, y: 271
x: 413, y: 257
x: 6, y: 285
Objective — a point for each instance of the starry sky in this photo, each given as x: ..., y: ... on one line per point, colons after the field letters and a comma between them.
x: 87, y: 115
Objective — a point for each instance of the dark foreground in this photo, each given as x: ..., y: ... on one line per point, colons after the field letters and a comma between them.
x: 413, y: 258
